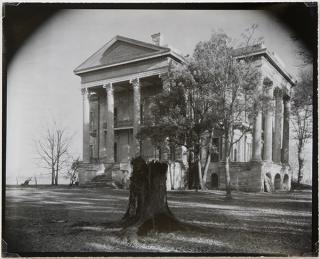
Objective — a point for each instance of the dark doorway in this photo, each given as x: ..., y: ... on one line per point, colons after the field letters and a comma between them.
x: 277, y: 182
x: 214, y: 181
x: 286, y: 182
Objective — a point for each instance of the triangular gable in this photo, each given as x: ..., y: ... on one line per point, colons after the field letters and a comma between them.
x: 118, y: 50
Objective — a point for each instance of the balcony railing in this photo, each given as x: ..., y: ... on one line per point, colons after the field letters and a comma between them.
x: 120, y: 124
x: 123, y: 123
x: 93, y: 132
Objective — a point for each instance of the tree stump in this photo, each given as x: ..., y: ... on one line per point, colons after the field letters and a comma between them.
x: 148, y: 208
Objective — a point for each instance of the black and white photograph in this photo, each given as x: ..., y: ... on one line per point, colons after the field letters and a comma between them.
x: 160, y: 129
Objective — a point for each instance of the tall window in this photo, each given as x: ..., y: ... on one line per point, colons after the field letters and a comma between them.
x: 91, y: 120
x: 216, y: 150
x: 91, y: 152
x: 141, y: 112
x: 172, y: 153
x: 115, y: 152
x: 115, y: 115
x: 235, y: 155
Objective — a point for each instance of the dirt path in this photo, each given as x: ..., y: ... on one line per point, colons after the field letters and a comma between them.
x: 64, y: 219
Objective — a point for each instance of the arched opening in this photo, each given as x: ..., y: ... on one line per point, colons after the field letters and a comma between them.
x: 268, y: 183
x: 286, y: 182
x: 214, y: 181
x: 277, y: 182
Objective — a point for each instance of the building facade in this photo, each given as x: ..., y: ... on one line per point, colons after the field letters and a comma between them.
x: 116, y: 84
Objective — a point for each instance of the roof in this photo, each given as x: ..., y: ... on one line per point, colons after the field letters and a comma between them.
x: 121, y: 50
x: 260, y: 49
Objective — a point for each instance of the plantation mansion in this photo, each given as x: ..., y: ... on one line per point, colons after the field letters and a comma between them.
x: 116, y: 83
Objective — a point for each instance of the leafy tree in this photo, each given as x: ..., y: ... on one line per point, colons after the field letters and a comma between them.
x: 183, y: 113
x: 301, y: 115
x: 235, y: 78
x: 72, y: 173
x: 212, y: 90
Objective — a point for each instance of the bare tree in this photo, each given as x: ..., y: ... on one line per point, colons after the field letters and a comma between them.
x: 52, y: 150
x: 301, y: 115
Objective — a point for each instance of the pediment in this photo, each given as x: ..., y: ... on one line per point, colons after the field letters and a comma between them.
x: 123, y: 51
x: 119, y: 50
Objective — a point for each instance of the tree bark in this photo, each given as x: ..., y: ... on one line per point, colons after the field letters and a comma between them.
x: 208, y: 159
x: 57, y: 173
x: 300, y: 161
x: 171, y: 179
x: 52, y: 175
x: 227, y: 176
x: 227, y: 164
x: 148, y: 208
x: 201, y: 183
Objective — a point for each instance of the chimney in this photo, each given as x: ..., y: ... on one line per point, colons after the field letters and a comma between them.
x: 157, y: 39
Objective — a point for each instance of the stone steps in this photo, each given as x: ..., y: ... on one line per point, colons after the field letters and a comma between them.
x: 100, y: 180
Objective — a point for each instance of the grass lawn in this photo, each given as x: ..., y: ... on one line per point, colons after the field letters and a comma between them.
x: 64, y: 219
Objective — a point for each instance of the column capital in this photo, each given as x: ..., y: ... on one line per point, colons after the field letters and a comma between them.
x: 84, y: 91
x: 108, y: 86
x: 278, y: 93
x: 135, y: 82
x: 164, y: 76
x: 286, y: 99
x: 267, y: 82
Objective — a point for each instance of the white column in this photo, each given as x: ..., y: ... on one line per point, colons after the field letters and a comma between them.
x: 136, y: 145
x: 86, y: 125
x: 257, y: 127
x: 278, y: 125
x: 268, y: 125
x: 286, y: 136
x: 110, y: 123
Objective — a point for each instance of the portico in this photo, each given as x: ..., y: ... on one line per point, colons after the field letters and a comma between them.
x: 116, y: 83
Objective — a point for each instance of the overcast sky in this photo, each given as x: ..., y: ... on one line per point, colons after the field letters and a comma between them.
x: 42, y: 87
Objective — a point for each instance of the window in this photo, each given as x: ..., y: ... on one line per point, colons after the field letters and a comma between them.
x: 115, y: 152
x: 91, y: 120
x: 115, y: 115
x: 141, y: 113
x: 215, y: 155
x: 235, y: 155
x: 91, y: 152
x: 172, y: 153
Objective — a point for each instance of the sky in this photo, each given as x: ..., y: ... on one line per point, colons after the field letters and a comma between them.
x: 42, y: 88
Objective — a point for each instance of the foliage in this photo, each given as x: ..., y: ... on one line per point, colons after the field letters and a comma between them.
x: 301, y: 114
x: 213, y: 90
x: 72, y: 172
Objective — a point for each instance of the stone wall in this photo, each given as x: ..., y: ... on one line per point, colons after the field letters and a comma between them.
x: 251, y: 176
x: 244, y: 176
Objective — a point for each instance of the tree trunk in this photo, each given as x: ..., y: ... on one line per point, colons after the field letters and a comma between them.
x: 57, y: 173
x: 227, y: 149
x: 52, y: 175
x: 300, y: 162
x: 171, y: 179
x: 201, y: 183
x: 148, y: 208
x: 227, y: 176
x: 190, y: 172
x: 208, y: 159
